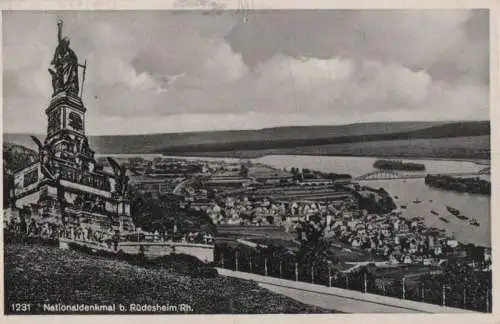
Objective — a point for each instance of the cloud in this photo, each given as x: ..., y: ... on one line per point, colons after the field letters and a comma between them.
x: 170, y: 71
x: 414, y: 38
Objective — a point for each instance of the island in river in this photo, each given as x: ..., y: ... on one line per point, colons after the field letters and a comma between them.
x: 462, y: 185
x: 398, y: 165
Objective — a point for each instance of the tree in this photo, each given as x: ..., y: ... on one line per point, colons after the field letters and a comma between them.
x: 15, y: 157
x: 162, y: 212
x: 8, y: 186
x: 314, y: 247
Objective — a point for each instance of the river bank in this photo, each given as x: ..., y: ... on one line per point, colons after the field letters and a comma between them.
x: 236, y: 155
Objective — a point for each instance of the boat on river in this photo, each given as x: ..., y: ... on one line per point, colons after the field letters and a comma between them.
x: 434, y: 212
x: 444, y: 219
x: 474, y: 222
x: 453, y: 211
x: 416, y: 201
x: 403, y: 206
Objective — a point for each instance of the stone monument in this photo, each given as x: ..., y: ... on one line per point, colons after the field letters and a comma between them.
x: 66, y: 185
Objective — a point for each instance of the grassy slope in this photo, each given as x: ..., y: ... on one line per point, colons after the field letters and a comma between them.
x: 40, y: 274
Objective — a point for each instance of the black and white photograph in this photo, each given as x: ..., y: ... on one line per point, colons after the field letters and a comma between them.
x: 234, y: 159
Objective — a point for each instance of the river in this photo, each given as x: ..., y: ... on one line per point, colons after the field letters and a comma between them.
x: 407, y: 191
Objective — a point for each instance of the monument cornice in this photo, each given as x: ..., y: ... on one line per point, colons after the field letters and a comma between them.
x: 63, y: 98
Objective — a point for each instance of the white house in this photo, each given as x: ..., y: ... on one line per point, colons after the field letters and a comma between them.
x: 407, y: 260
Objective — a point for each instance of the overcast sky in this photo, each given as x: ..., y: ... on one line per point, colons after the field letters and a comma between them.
x: 159, y: 72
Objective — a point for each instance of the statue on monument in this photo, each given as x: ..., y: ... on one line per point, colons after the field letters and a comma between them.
x: 120, y: 172
x: 65, y: 66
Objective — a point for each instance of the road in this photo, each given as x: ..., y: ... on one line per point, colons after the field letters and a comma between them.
x: 343, y: 300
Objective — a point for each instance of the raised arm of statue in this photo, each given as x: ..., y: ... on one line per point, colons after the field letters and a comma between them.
x: 59, y: 39
x: 59, y: 30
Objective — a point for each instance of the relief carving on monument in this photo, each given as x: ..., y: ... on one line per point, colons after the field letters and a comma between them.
x: 75, y: 121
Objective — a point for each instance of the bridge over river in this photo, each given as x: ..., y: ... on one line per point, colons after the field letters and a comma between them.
x: 395, y: 175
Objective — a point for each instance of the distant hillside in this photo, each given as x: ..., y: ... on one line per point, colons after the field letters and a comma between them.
x: 469, y: 147
x: 449, y: 130
x: 299, y: 139
x: 182, y: 141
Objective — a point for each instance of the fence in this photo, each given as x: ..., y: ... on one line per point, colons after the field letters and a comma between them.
x: 338, y: 299
x: 429, y: 288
